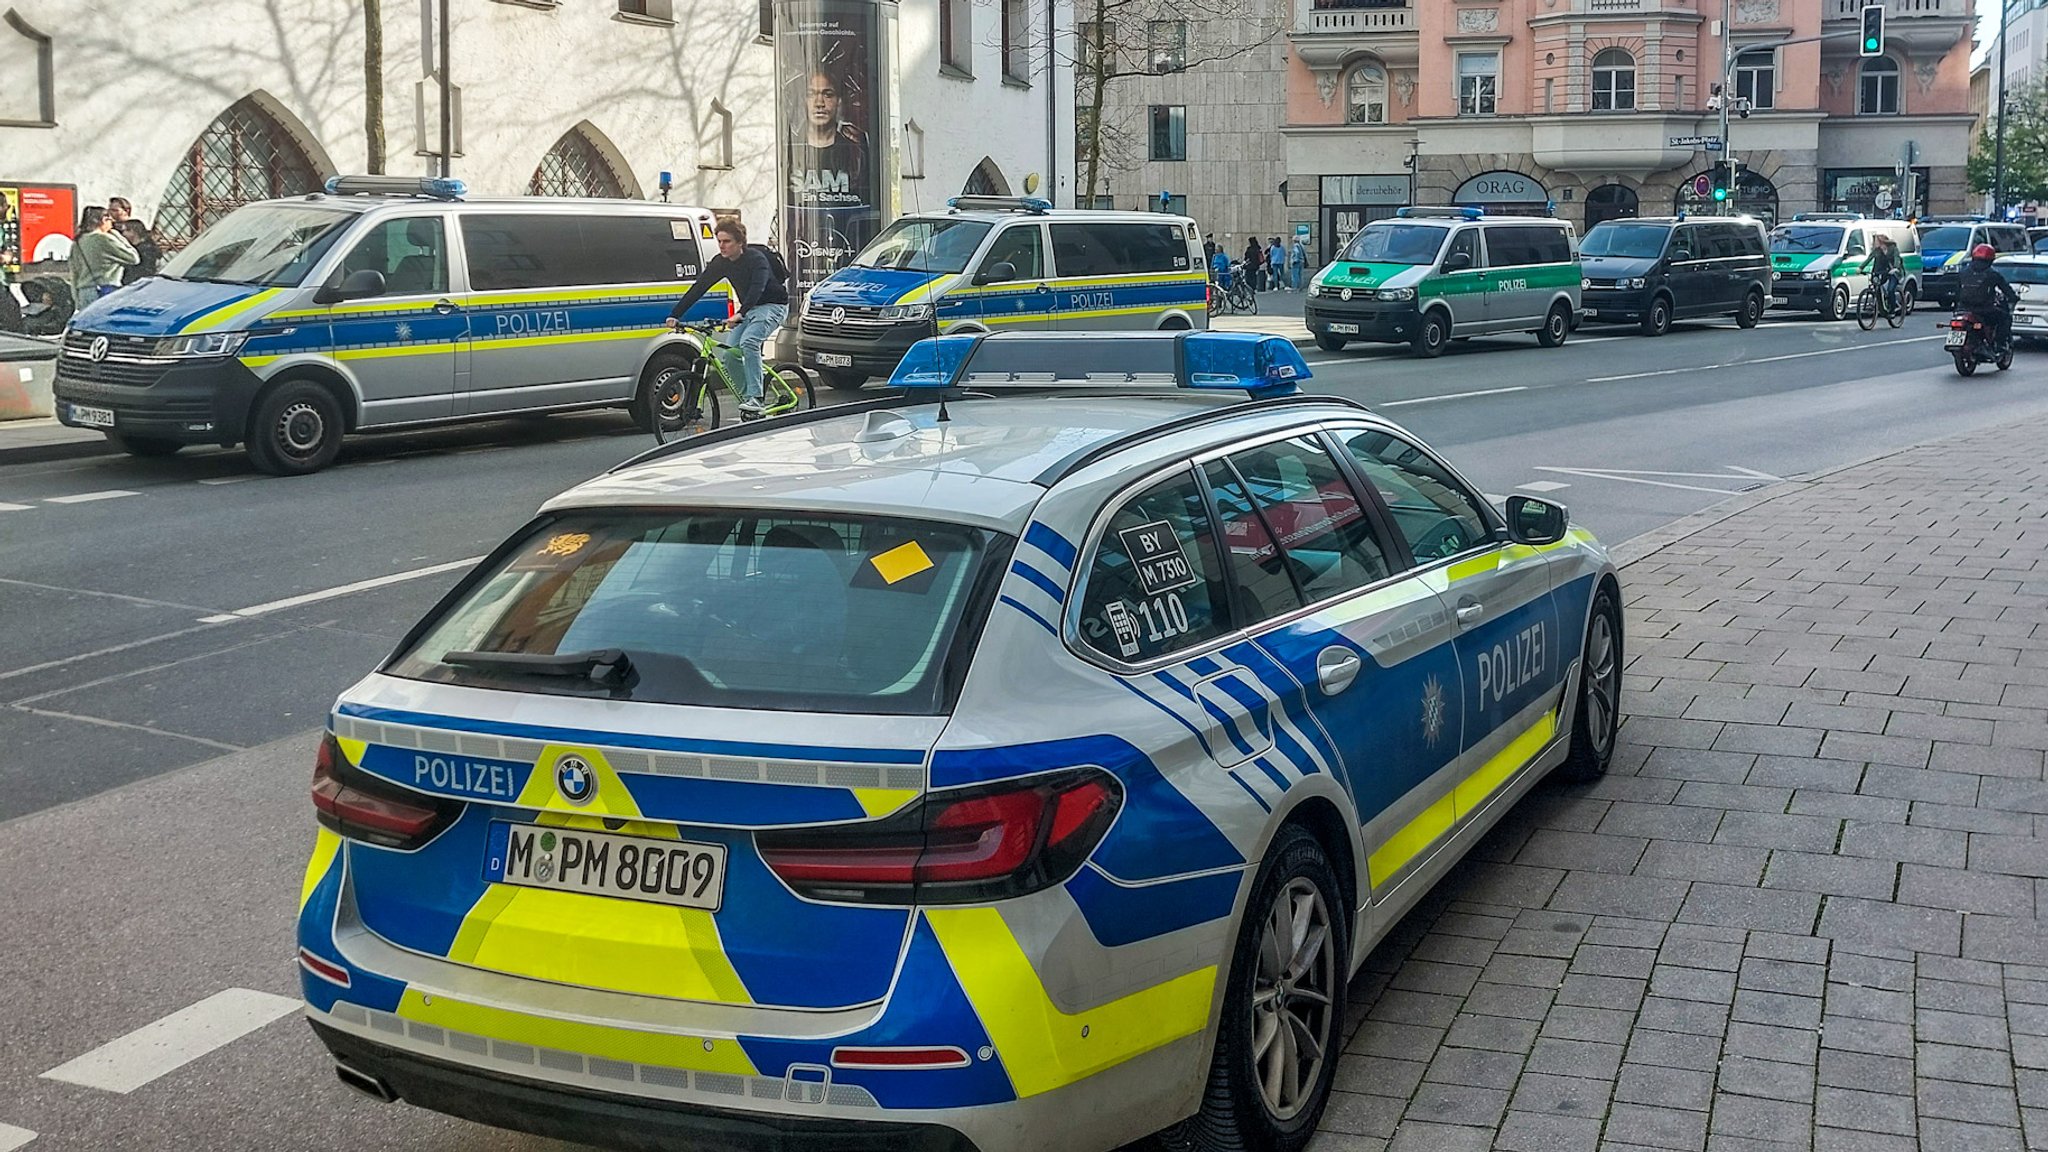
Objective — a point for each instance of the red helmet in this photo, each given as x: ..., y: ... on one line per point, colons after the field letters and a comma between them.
x: 1983, y: 252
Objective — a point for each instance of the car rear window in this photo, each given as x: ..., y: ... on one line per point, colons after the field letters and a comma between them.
x: 1946, y: 239
x: 725, y: 608
x: 2025, y: 273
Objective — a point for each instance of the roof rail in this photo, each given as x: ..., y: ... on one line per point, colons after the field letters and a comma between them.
x: 1037, y: 206
x: 429, y: 187
x: 1256, y: 363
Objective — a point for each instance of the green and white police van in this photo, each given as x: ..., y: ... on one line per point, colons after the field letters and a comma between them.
x: 1820, y: 262
x: 1433, y: 275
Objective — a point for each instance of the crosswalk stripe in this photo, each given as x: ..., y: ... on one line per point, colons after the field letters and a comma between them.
x: 162, y: 1047
x: 89, y: 497
x: 12, y: 1137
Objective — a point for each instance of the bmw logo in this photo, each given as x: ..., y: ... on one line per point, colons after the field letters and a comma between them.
x: 98, y: 349
x: 839, y: 315
x: 575, y: 779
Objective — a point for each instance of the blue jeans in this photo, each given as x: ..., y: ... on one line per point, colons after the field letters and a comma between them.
x: 755, y: 325
x: 1294, y: 274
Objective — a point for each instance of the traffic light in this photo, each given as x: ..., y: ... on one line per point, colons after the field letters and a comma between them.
x: 1720, y: 194
x: 1873, y: 30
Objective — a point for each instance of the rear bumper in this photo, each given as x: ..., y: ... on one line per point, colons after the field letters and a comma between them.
x: 614, y: 1120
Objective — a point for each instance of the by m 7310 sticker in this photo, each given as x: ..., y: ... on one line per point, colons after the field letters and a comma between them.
x: 1155, y: 552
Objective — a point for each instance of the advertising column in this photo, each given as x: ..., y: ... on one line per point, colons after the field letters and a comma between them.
x: 834, y: 63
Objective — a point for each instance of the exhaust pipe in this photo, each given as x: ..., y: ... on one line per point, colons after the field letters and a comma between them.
x: 371, y: 1086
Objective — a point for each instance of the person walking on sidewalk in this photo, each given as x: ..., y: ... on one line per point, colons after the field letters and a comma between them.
x: 99, y: 256
x: 1297, y: 260
x: 760, y: 288
x: 1277, y: 256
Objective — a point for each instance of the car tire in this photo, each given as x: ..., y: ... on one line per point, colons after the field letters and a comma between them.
x: 1657, y: 318
x: 144, y: 446
x: 1837, y: 305
x: 1330, y: 343
x: 842, y: 381
x: 1433, y: 337
x: 1597, y: 718
x: 1752, y: 311
x: 1557, y: 326
x: 1238, y: 1111
x: 296, y: 429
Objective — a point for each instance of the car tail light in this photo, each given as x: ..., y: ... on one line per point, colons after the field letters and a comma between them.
x: 955, y: 847
x: 362, y: 807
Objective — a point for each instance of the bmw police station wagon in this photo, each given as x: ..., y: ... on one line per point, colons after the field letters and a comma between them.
x: 952, y: 770
x: 1433, y: 275
x: 386, y: 303
x: 1002, y: 264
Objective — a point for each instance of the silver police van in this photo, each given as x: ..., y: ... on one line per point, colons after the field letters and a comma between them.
x: 384, y: 303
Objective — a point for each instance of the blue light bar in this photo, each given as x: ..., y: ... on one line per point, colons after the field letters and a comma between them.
x: 1036, y: 205
x: 437, y: 188
x: 1462, y: 212
x: 933, y: 363
x: 1255, y: 362
x: 1260, y: 364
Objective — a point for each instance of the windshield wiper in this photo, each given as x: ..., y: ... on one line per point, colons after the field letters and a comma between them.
x: 610, y: 667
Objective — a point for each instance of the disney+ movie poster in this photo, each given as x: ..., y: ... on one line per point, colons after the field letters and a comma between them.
x: 834, y: 67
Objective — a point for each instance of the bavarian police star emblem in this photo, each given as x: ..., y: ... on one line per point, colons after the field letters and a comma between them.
x: 1432, y: 710
x: 404, y: 330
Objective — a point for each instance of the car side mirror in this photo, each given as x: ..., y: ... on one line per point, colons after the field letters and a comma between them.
x: 1457, y: 261
x: 1681, y: 254
x: 1533, y: 521
x: 1000, y: 272
x: 357, y: 285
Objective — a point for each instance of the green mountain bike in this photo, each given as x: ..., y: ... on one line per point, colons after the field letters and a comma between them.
x: 678, y: 400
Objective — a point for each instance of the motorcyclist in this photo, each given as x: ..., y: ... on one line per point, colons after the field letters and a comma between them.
x: 1980, y: 289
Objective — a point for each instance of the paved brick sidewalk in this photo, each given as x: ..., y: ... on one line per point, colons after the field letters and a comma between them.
x: 1806, y: 908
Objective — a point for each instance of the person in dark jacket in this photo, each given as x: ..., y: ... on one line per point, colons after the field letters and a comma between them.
x: 146, y: 247
x: 1981, y: 289
x: 761, y: 296
x: 1255, y: 263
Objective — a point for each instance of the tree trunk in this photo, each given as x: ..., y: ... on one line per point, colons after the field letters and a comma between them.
x: 373, y: 83
x: 1102, y: 66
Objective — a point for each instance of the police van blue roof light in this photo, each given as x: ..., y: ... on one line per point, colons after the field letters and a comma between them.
x: 1037, y: 205
x: 1253, y: 362
x: 439, y: 188
x: 1458, y: 212
x: 933, y: 363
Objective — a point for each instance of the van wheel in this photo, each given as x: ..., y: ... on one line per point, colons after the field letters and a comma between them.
x: 145, y: 446
x: 842, y: 381
x: 1434, y: 335
x: 1837, y: 305
x: 1752, y: 310
x: 1330, y: 343
x: 1599, y: 712
x: 1556, y: 327
x: 1276, y: 1044
x: 296, y: 429
x: 1657, y: 321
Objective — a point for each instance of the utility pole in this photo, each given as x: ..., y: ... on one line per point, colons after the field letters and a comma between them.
x: 1998, y: 147
x: 447, y: 108
x: 1728, y: 94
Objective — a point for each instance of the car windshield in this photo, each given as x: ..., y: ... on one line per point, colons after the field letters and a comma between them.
x: 924, y: 245
x: 1387, y: 243
x: 772, y: 610
x: 273, y: 245
x: 2024, y: 273
x: 1948, y: 238
x: 1633, y: 241
x: 1800, y: 238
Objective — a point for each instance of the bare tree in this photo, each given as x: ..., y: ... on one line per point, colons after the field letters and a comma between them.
x: 373, y: 83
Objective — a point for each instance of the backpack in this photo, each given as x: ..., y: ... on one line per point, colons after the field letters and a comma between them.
x: 776, y: 267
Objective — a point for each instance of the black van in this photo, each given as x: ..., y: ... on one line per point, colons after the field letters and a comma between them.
x: 1653, y: 270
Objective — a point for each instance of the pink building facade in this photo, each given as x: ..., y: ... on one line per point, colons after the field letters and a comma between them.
x: 1594, y: 109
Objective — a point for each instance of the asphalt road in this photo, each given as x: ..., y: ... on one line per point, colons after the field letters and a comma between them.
x: 171, y: 630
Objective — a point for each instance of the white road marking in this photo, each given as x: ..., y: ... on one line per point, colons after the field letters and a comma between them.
x: 331, y: 593
x: 12, y: 1137
x: 1451, y: 396
x: 1541, y: 486
x: 1762, y: 360
x: 228, y: 480
x: 15, y: 508
x: 166, y: 1045
x: 1618, y: 473
x: 89, y: 497
x: 1628, y: 479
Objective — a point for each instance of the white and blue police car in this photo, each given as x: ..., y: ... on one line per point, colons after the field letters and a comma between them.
x: 1023, y: 761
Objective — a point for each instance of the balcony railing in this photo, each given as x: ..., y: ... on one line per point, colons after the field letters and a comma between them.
x: 1355, y: 16
x: 1899, y: 9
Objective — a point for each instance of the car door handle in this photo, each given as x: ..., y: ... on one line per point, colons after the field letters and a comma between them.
x: 1336, y: 669
x: 444, y: 307
x: 1471, y: 612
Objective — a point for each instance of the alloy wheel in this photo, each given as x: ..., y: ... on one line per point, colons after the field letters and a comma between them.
x: 1291, y: 999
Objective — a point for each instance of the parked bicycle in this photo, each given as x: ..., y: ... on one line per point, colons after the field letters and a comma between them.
x: 685, y: 403
x: 1239, y: 297
x: 1875, y: 302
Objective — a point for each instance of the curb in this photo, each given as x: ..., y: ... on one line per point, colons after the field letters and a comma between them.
x: 43, y: 451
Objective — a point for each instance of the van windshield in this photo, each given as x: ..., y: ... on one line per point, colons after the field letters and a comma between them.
x: 1802, y: 238
x: 1386, y: 243
x: 922, y: 245
x: 1630, y: 241
x: 273, y: 245
x: 1947, y: 238
x: 740, y: 609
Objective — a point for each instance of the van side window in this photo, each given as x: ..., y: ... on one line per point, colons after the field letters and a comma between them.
x: 1688, y: 242
x: 557, y: 250
x: 1509, y: 247
x: 1856, y: 246
x: 1154, y: 584
x: 1110, y: 248
x: 1020, y: 246
x: 410, y: 252
x: 1466, y: 241
x: 1435, y: 513
x: 1552, y: 245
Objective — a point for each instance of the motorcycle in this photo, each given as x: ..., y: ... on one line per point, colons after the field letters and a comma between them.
x: 1970, y: 342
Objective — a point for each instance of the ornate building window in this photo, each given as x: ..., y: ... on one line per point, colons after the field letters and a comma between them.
x: 576, y: 167
x: 1877, y: 89
x: 1756, y: 77
x: 244, y: 155
x: 1365, y: 94
x: 1614, y: 81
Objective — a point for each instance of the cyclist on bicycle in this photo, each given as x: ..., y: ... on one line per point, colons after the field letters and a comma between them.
x: 1884, y: 267
x: 760, y: 287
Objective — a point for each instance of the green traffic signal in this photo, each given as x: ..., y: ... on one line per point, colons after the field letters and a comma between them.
x: 1720, y: 194
x: 1873, y: 30
x: 1871, y: 44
